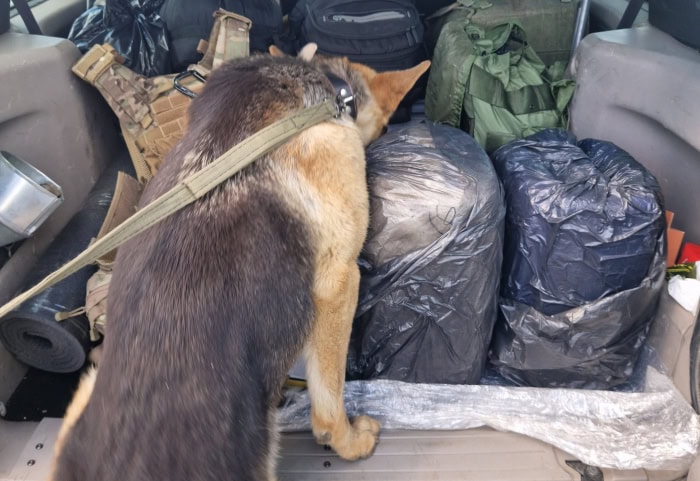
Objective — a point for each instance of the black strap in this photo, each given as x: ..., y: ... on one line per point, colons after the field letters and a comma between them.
x: 27, y: 16
x: 631, y: 12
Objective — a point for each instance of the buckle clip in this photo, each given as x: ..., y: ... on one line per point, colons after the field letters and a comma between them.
x: 181, y: 76
x: 345, y: 102
x: 344, y: 97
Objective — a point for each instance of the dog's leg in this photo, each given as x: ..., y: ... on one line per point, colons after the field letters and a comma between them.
x: 77, y: 406
x: 335, y: 297
x: 273, y: 453
x: 74, y: 410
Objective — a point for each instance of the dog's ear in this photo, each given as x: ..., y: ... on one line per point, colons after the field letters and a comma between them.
x: 308, y: 51
x: 275, y: 51
x: 389, y: 88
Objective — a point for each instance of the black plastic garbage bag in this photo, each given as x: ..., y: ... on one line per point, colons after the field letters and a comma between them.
x: 584, y: 261
x: 133, y: 27
x: 431, y: 263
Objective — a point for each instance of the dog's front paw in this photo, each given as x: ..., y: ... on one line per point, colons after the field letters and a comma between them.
x: 362, y: 439
x: 366, y: 423
x: 350, y: 440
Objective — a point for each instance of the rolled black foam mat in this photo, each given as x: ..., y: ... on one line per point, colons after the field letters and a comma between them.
x: 36, y: 339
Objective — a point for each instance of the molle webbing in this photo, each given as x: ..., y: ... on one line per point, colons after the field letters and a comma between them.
x: 152, y: 113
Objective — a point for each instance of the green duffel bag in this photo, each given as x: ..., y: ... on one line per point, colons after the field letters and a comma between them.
x: 492, y: 84
x: 549, y: 23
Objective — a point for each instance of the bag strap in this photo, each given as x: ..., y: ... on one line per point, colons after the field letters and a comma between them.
x: 490, y: 40
x: 143, y: 170
x: 229, y: 39
x: 125, y: 199
x: 187, y: 191
x: 630, y: 14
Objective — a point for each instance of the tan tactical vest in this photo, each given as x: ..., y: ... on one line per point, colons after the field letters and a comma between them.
x: 152, y: 112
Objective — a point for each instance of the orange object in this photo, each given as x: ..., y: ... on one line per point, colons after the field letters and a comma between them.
x: 675, y: 239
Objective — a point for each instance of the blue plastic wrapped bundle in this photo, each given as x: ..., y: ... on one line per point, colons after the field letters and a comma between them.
x: 584, y: 261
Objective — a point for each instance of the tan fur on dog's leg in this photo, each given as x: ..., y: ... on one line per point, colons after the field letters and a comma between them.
x: 274, y: 445
x: 75, y: 409
x: 325, y: 355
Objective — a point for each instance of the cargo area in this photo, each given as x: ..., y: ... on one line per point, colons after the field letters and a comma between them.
x: 507, y: 415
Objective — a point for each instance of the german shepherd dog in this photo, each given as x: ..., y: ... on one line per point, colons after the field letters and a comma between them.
x: 209, y: 309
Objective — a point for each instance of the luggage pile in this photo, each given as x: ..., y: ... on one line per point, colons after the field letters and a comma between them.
x: 561, y: 294
x: 542, y: 261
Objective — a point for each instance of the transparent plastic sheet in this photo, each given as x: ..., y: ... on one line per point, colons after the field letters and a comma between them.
x: 431, y: 263
x: 652, y: 429
x: 133, y: 27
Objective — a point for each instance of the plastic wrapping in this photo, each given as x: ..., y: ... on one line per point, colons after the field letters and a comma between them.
x: 652, y: 429
x: 583, y: 220
x: 133, y: 27
x: 430, y: 265
x: 583, y: 265
x: 595, y: 346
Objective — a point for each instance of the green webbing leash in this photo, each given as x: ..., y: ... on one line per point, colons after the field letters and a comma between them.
x: 192, y: 188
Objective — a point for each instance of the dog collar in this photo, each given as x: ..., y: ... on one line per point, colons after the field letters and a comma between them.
x: 344, y: 97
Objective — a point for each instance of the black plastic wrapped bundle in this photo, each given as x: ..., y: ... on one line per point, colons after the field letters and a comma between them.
x: 584, y: 261
x: 31, y: 332
x: 133, y: 27
x: 431, y: 263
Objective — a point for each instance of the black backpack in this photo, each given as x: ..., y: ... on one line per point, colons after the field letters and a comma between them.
x: 383, y: 34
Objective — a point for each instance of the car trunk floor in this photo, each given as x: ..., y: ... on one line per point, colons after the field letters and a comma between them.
x: 41, y: 394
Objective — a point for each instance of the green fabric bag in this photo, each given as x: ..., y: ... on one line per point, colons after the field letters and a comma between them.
x: 491, y: 83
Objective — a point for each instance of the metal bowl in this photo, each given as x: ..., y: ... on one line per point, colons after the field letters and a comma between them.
x: 27, y: 198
